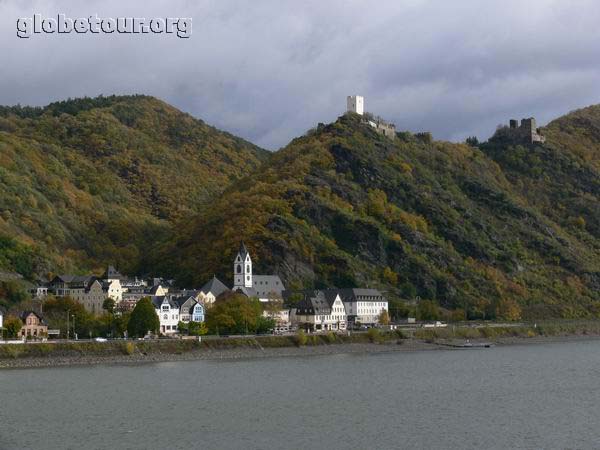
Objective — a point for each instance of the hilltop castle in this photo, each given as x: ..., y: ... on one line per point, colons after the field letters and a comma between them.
x: 356, y: 104
x: 527, y: 131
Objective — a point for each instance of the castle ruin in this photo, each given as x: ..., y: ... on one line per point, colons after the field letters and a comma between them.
x: 527, y: 131
x: 356, y: 104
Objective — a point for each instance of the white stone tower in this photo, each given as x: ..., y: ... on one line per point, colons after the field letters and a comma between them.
x: 356, y: 104
x: 242, y: 268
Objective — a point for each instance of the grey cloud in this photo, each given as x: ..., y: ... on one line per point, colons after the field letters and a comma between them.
x: 270, y: 70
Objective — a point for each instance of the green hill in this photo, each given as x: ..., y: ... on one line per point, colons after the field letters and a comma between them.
x: 497, y: 230
x: 90, y: 181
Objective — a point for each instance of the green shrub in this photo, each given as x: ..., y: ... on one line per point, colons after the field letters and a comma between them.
x: 489, y: 332
x: 400, y: 334
x: 331, y: 337
x: 301, y: 338
x: 314, y: 339
x: 374, y: 335
x: 468, y: 333
x: 128, y: 348
x: 12, y: 351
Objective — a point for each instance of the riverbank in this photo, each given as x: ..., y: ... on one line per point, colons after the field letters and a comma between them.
x: 234, y: 353
x: 136, y: 352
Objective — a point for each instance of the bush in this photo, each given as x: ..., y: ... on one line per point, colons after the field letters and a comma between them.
x: 489, y: 332
x: 11, y: 351
x: 13, y: 326
x: 314, y: 340
x: 400, y: 334
x: 331, y: 337
x: 301, y: 338
x: 374, y: 335
x: 128, y: 348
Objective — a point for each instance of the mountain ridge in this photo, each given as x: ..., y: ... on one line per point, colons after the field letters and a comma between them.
x: 346, y: 206
x: 496, y: 230
x: 101, y: 176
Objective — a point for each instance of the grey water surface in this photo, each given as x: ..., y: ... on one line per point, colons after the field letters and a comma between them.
x: 522, y: 396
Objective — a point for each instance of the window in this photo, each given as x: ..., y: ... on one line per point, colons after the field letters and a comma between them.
x: 239, y: 268
x: 247, y: 267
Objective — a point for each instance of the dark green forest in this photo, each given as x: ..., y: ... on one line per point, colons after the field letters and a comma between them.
x: 88, y: 181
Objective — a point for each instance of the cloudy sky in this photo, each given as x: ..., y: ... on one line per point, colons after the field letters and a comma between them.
x: 268, y: 70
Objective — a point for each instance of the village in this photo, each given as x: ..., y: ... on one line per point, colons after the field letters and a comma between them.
x: 325, y: 310
x: 314, y: 311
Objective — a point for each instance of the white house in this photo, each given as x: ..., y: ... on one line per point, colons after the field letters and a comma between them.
x: 319, y: 311
x: 363, y: 306
x: 40, y: 291
x: 168, y: 314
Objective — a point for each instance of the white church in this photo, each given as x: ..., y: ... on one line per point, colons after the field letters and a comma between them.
x: 263, y: 287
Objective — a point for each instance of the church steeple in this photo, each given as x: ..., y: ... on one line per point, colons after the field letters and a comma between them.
x: 242, y: 268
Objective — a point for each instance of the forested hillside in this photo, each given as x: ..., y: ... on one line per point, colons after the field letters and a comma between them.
x: 89, y: 181
x: 493, y: 230
x: 496, y: 230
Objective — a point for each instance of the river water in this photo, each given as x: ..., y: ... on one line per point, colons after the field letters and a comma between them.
x: 523, y: 396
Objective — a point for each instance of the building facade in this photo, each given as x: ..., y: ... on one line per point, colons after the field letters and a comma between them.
x: 34, y: 325
x: 268, y: 287
x: 86, y: 290
x: 190, y: 310
x: 168, y: 314
x: 319, y: 311
x: 363, y: 306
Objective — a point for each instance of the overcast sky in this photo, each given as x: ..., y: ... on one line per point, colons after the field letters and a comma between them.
x: 269, y: 70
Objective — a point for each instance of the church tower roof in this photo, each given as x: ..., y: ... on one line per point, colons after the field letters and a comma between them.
x: 243, y: 251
